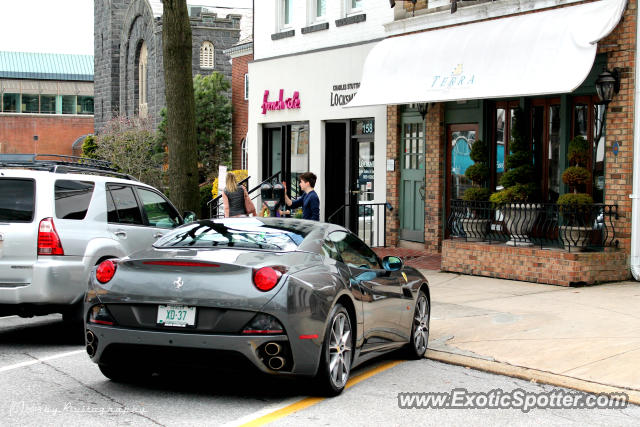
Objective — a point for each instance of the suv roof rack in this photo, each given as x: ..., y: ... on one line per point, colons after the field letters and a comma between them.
x: 58, y: 163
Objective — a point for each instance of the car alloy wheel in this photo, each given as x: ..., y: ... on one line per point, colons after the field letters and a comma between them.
x: 420, y: 328
x: 336, y: 353
x: 340, y: 350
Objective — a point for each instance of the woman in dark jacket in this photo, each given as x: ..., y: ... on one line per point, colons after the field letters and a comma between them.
x: 236, y: 199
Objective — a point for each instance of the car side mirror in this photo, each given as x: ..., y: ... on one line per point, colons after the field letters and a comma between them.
x: 392, y: 263
x: 189, y: 217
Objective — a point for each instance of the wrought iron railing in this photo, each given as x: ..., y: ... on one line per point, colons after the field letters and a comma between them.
x: 215, y: 203
x: 371, y: 222
x: 547, y: 225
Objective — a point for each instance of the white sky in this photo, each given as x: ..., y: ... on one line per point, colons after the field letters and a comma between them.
x: 47, y: 26
x: 59, y: 26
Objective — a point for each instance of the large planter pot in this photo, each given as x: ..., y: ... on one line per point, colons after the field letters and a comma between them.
x: 475, y: 229
x: 575, y: 236
x: 519, y: 219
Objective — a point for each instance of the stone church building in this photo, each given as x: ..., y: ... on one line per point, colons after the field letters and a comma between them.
x: 128, y: 72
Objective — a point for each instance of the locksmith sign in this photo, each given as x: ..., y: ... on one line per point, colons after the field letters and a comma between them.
x: 341, y: 94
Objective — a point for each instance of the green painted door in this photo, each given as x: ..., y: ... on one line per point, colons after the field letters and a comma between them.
x: 412, y: 176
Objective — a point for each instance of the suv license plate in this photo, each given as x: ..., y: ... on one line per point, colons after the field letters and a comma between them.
x: 176, y: 315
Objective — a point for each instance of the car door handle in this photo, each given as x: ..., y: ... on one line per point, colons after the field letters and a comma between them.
x: 121, y: 233
x: 158, y: 235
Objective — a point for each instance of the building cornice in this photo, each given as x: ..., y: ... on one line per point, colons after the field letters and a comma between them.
x: 442, y: 16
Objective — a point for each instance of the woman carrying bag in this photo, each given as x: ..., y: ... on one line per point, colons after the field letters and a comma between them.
x: 236, y: 199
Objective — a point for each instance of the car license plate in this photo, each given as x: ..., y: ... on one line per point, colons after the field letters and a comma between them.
x: 176, y: 315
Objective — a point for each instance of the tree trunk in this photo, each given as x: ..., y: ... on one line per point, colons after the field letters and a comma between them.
x: 181, y: 122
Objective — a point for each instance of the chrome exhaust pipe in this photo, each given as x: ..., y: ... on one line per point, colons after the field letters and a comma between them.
x: 91, y: 350
x: 276, y: 363
x: 272, y: 348
x: 90, y: 337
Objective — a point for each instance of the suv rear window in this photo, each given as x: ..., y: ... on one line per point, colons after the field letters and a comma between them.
x: 17, y: 199
x: 73, y: 198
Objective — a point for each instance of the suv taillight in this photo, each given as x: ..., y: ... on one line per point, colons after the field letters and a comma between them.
x: 48, y: 239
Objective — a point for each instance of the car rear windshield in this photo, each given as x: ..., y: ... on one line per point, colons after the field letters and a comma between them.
x: 251, y: 234
x: 17, y: 199
x: 73, y: 198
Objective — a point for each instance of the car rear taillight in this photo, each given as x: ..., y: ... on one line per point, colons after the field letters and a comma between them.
x: 100, y: 315
x: 105, y: 271
x: 266, y: 278
x: 48, y: 239
x: 263, y: 323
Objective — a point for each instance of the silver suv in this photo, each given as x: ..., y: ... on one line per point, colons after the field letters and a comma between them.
x: 58, y: 219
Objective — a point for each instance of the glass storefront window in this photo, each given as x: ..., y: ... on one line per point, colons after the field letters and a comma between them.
x: 10, y: 102
x: 30, y: 104
x: 85, y: 105
x: 365, y: 170
x: 299, y: 155
x: 555, y: 172
x: 461, y: 143
x: 598, y: 156
x: 68, y: 104
x: 48, y: 104
x: 500, y: 144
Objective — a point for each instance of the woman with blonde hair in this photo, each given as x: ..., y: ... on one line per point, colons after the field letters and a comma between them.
x: 236, y: 199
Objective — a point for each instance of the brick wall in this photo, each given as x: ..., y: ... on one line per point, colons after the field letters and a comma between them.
x: 620, y: 47
x: 435, y: 177
x: 532, y: 264
x: 56, y: 134
x: 240, y: 67
x: 393, y: 178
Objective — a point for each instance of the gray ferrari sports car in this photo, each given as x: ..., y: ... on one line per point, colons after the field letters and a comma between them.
x: 291, y: 297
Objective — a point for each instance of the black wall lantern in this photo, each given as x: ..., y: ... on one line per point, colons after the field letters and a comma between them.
x: 423, y: 108
x: 607, y: 85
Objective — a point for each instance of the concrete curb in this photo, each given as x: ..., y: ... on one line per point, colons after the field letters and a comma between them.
x: 529, y: 374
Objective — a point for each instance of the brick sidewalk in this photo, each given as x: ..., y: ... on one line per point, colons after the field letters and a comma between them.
x: 414, y: 258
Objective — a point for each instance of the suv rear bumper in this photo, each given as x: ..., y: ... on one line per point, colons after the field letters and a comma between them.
x: 55, y: 280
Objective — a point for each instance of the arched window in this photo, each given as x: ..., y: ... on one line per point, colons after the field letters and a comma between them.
x: 244, y: 154
x: 206, y: 55
x: 142, y: 81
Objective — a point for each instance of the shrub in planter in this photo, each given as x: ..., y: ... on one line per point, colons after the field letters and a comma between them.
x: 518, y: 186
x: 518, y: 177
x: 576, y: 176
x: 574, y: 206
x: 476, y: 220
x: 476, y: 194
x: 478, y: 173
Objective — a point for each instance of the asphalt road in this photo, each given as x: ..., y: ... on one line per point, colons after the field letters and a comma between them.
x: 47, y: 379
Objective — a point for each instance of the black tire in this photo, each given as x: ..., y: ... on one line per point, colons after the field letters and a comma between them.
x: 121, y: 373
x: 331, y: 382
x: 417, y: 346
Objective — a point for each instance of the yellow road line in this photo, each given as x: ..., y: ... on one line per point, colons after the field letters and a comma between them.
x: 310, y: 401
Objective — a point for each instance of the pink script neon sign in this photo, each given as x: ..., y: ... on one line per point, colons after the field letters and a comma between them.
x: 281, y: 103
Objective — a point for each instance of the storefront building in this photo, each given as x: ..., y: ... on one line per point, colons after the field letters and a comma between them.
x: 300, y: 80
x: 458, y: 78
x: 46, y: 102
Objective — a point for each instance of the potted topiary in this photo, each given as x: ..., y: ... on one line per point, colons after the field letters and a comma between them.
x: 574, y: 206
x: 475, y: 225
x: 514, y: 200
